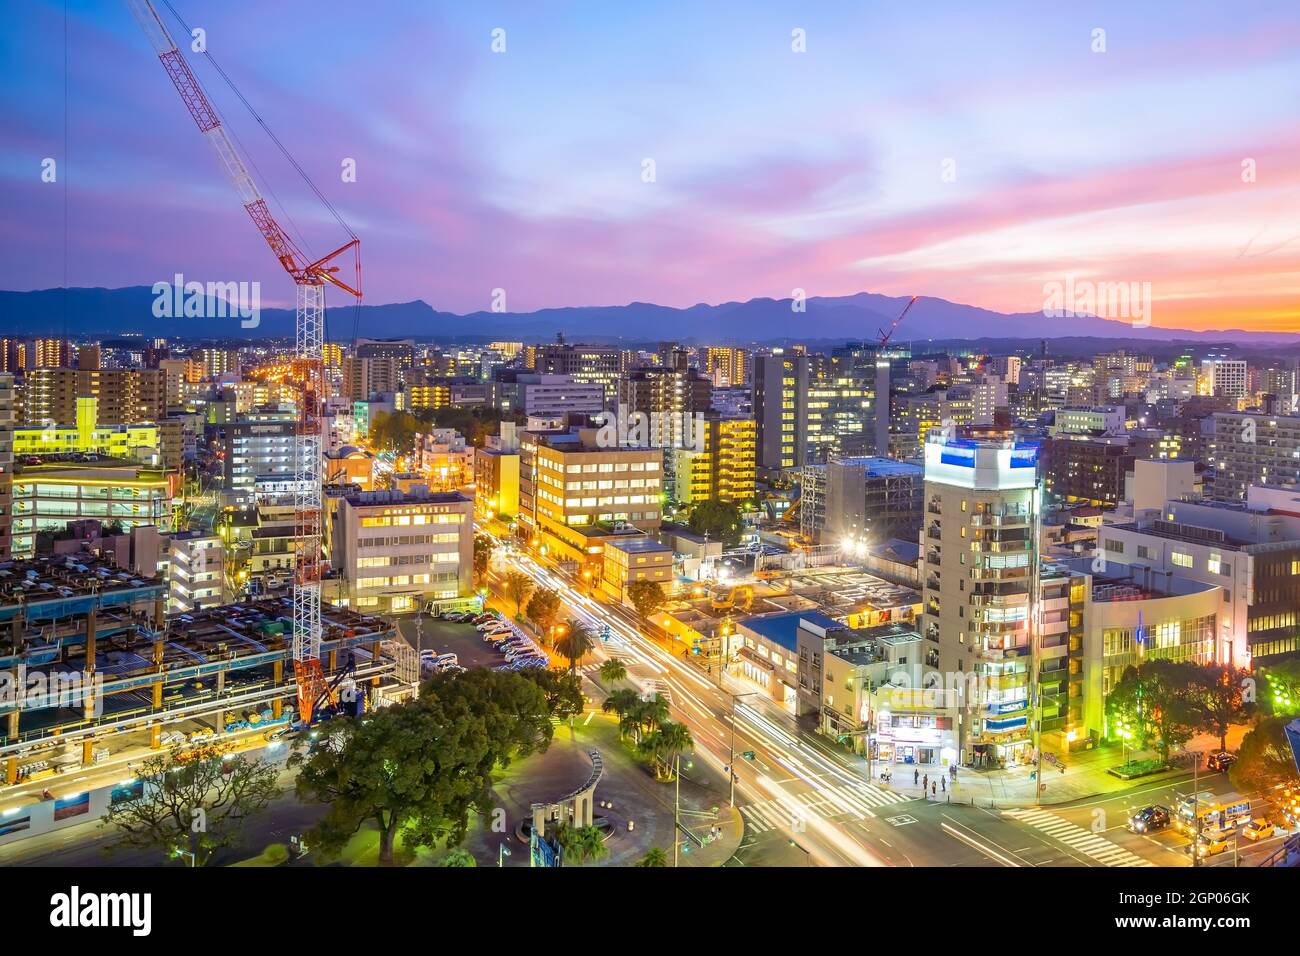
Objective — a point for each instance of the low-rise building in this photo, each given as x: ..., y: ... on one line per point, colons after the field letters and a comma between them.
x: 634, y: 558
x: 392, y: 551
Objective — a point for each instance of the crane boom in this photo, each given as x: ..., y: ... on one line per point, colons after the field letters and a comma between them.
x: 309, y: 278
x: 885, y: 336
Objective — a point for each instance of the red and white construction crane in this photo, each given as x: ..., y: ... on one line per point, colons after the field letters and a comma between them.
x: 310, y: 278
x: 885, y: 336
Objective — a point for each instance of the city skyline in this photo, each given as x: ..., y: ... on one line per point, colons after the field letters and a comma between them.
x: 514, y: 170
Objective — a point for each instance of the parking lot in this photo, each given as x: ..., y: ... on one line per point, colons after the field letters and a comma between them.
x: 449, y: 637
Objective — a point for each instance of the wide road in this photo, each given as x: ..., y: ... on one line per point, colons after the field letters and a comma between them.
x: 802, y: 798
x: 807, y: 801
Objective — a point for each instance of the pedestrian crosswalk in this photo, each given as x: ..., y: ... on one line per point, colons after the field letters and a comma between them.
x: 1078, y: 838
x: 792, y: 811
x: 660, y: 687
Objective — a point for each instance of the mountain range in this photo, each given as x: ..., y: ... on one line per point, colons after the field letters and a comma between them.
x: 99, y: 312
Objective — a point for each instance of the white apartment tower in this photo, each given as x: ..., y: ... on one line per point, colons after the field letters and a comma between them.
x: 979, y: 576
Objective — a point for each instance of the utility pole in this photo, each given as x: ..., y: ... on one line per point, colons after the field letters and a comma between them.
x: 677, y: 805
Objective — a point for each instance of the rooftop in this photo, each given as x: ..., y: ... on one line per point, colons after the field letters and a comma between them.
x: 782, y: 628
x: 640, y: 544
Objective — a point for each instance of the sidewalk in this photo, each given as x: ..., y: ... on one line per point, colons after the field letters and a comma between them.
x: 1084, y: 776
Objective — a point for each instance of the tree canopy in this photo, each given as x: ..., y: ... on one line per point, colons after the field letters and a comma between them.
x: 193, y: 803
x: 720, y: 520
x: 422, y: 766
x: 647, y: 597
x: 1265, y: 759
x: 1155, y: 700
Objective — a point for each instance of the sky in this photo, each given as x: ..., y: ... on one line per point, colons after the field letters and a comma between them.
x: 975, y: 152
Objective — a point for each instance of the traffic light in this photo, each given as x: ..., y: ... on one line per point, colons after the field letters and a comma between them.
x: 748, y: 755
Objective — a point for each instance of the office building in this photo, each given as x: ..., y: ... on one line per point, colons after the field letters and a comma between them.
x: 395, y: 550
x: 547, y: 396
x: 1250, y: 549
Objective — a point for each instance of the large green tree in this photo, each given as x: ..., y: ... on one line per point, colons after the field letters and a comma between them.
x: 394, y: 431
x: 1216, y: 698
x: 647, y: 597
x: 483, y: 546
x: 1265, y: 759
x: 192, y: 804
x: 720, y: 520
x: 563, y: 691
x: 1156, y: 699
x: 421, y: 767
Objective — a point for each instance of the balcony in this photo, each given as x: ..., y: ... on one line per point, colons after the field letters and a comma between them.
x: 1010, y: 519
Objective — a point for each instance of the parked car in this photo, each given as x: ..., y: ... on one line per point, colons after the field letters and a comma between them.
x: 1220, y: 761
x: 1150, y: 819
x: 1258, y: 830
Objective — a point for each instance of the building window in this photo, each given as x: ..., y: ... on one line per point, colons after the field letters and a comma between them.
x: 1181, y: 559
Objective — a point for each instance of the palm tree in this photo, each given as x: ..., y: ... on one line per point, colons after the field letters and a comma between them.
x: 583, y: 844
x: 653, y: 857
x: 663, y: 745
x: 576, y: 643
x: 653, y: 712
x: 676, y: 738
x: 621, y: 702
x: 613, y: 671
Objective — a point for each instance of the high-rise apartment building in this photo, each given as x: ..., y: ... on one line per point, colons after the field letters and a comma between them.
x: 978, y: 575
x: 217, y: 362
x: 125, y: 396
x: 1253, y: 449
x: 1222, y: 376
x: 722, y: 467
x: 727, y: 366
x: 665, y: 395
x: 52, y: 353
x: 364, y: 377
x: 781, y: 410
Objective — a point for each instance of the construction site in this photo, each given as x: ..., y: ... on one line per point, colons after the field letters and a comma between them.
x: 95, y: 675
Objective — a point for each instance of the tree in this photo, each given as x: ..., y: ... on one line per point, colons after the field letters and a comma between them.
x: 581, y: 844
x: 576, y: 642
x: 653, y: 857
x: 458, y: 856
x: 1155, y: 699
x: 1216, y: 697
x: 482, y: 555
x: 623, y: 703
x: 665, y: 743
x: 543, y: 609
x: 563, y: 691
x: 645, y: 716
x: 1265, y: 759
x: 195, y: 802
x: 517, y: 586
x: 420, y: 767
x: 394, y: 431
x: 720, y: 520
x: 647, y: 597
x: 1280, y: 690
x: 612, y: 671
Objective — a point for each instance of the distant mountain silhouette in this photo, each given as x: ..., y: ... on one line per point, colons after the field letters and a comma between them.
x: 109, y: 312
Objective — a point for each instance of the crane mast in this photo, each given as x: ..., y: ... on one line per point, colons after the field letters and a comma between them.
x: 310, y: 278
